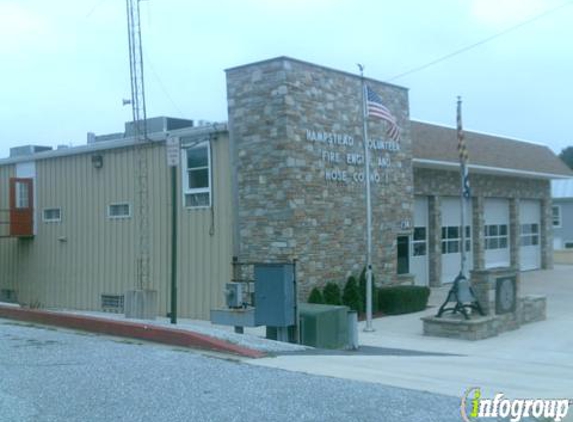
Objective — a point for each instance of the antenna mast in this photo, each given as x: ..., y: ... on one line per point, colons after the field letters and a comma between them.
x: 140, y: 135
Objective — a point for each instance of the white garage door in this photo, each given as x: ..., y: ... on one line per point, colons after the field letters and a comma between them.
x: 530, y: 227
x: 451, y: 238
x: 496, y: 233
x: 419, y: 242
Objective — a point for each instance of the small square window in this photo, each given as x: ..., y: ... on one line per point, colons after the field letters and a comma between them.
x: 419, y: 233
x: 503, y: 243
x: 122, y: 210
x: 556, y: 215
x: 503, y: 230
x: 454, y: 246
x: 453, y: 232
x: 419, y: 249
x: 52, y: 215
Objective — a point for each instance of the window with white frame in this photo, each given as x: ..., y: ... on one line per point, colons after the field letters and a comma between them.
x: 197, y: 176
x: 452, y: 239
x: 496, y: 236
x: 22, y: 195
x: 119, y: 210
x: 52, y: 215
x: 419, y: 241
x: 556, y: 215
x: 529, y: 234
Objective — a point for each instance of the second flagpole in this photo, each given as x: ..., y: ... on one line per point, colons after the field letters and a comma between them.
x: 368, y: 327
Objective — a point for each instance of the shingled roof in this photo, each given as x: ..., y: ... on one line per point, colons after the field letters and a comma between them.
x: 436, y: 146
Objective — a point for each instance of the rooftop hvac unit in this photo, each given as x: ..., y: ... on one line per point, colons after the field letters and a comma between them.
x: 28, y: 150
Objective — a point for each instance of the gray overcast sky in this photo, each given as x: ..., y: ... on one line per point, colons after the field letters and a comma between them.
x: 65, y: 66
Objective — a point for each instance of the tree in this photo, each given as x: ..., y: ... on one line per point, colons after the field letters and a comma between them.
x: 566, y: 156
x: 315, y: 296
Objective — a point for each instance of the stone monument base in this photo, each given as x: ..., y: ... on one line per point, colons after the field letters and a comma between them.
x: 530, y: 308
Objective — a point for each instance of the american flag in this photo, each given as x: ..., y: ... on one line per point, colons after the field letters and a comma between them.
x: 463, y: 152
x: 377, y: 109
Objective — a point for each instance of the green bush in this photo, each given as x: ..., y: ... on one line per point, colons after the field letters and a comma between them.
x: 362, y: 288
x: 397, y: 300
x: 315, y: 296
x: 351, y: 295
x: 331, y: 294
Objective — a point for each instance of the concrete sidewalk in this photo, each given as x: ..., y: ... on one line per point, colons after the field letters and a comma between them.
x: 534, y: 361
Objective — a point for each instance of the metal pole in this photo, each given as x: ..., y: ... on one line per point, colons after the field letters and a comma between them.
x: 463, y: 198
x: 463, y: 224
x: 368, y: 327
x: 173, y: 313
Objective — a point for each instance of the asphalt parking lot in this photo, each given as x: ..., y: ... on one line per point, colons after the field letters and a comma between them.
x: 49, y: 374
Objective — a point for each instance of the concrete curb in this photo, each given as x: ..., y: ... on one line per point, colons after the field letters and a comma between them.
x: 134, y: 330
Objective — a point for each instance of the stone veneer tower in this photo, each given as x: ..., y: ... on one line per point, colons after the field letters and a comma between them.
x: 296, y: 136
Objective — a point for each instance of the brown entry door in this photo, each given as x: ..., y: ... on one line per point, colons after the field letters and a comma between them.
x: 21, y: 207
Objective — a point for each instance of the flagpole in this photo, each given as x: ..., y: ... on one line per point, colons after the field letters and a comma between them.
x: 368, y: 327
x: 463, y: 194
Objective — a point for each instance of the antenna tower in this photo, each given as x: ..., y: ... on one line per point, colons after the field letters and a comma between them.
x: 142, y: 143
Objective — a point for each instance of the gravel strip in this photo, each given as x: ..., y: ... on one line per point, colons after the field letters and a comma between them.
x: 49, y: 375
x: 245, y: 340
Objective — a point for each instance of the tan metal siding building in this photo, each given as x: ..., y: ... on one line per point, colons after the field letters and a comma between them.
x: 71, y: 263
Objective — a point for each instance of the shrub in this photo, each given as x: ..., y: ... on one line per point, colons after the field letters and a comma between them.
x: 351, y: 295
x: 331, y: 294
x: 397, y: 300
x: 315, y: 296
x: 362, y: 288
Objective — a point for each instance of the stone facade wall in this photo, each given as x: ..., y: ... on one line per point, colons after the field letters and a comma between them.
x: 440, y: 183
x: 297, y: 132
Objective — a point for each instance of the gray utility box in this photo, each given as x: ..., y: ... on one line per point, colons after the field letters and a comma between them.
x: 275, y: 298
x: 325, y: 326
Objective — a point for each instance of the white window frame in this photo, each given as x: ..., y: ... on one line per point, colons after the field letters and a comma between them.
x: 185, y: 182
x: 529, y: 237
x: 498, y: 237
x: 448, y: 242
x: 422, y: 242
x: 52, y: 220
x: 118, y: 217
x: 558, y: 208
x: 22, y: 195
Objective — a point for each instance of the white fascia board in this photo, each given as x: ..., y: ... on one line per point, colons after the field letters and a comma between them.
x: 420, y: 162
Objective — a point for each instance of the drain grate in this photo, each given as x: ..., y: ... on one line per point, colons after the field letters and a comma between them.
x: 112, y: 303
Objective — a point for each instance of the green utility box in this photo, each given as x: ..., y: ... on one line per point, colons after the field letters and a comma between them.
x: 323, y: 326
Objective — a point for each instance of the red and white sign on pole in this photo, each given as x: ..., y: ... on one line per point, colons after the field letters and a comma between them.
x: 173, y: 151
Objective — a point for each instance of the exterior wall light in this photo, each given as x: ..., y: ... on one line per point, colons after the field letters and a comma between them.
x: 97, y: 161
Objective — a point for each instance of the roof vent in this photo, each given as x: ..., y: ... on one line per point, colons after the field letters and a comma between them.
x: 27, y: 150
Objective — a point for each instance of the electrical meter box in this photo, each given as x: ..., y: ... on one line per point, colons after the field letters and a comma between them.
x: 275, y: 297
